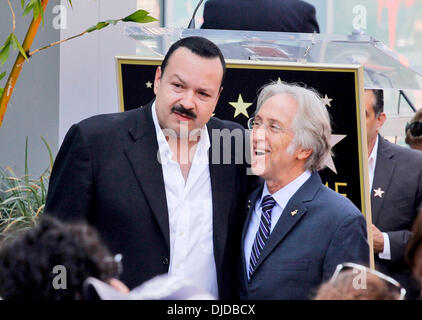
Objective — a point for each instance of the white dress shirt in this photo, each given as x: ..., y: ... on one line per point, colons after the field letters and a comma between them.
x: 190, y: 213
x: 281, y: 197
x: 372, y: 162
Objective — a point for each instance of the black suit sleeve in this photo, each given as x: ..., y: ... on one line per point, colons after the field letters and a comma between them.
x: 398, y: 243
x: 310, y: 21
x: 70, y: 188
x: 269, y: 15
x: 400, y: 238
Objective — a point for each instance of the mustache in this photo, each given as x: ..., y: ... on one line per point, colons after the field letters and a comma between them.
x: 183, y: 111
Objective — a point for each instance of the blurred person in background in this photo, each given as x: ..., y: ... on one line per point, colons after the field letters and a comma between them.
x: 161, y: 287
x: 395, y: 175
x: 52, y: 260
x: 414, y: 131
x: 260, y: 15
x: 351, y: 281
x: 414, y: 249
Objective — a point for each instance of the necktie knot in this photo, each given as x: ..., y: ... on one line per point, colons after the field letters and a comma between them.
x: 268, y: 203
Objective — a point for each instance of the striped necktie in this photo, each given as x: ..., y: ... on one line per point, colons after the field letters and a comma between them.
x: 263, y: 232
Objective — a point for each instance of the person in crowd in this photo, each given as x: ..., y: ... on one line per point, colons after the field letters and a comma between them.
x: 52, y: 260
x: 414, y: 250
x: 358, y: 282
x: 153, y: 181
x: 161, y: 287
x: 260, y: 15
x: 297, y: 230
x: 414, y: 131
x: 395, y: 175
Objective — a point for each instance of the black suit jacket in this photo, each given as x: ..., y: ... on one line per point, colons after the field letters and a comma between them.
x: 398, y: 172
x: 260, y: 15
x: 107, y: 173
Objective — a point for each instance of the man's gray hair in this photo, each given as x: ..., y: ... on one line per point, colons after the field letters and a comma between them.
x: 311, y: 125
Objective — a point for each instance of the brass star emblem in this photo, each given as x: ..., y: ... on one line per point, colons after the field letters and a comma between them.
x: 326, y: 101
x: 149, y: 84
x: 293, y: 213
x: 240, y: 107
x: 378, y: 192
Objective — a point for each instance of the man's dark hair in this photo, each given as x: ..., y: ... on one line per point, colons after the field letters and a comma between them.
x: 27, y: 261
x: 379, y: 101
x: 199, y: 46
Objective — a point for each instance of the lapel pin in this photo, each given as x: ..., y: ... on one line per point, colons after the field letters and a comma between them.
x: 378, y: 192
x: 293, y: 213
x: 249, y: 204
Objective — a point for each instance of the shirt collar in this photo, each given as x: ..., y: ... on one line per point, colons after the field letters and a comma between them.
x: 283, y: 195
x: 164, y: 148
x: 373, y: 155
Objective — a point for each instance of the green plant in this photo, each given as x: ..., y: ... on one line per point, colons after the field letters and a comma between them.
x: 22, y: 199
x: 37, y: 7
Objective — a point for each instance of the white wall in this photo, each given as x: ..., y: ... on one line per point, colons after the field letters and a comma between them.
x: 88, y: 84
x: 33, y: 110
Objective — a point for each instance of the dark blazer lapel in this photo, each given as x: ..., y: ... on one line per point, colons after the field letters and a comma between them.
x: 142, y: 154
x: 382, y: 176
x: 292, y: 214
x: 252, y: 199
x: 222, y: 180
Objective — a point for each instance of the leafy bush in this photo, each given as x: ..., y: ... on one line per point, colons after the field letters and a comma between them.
x: 22, y: 199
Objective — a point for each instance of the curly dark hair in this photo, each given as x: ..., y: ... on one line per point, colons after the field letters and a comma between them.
x: 27, y: 261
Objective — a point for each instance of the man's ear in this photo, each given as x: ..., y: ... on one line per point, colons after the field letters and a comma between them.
x: 380, y: 120
x: 303, y: 154
x: 219, y: 92
x: 218, y: 97
x: 157, y: 79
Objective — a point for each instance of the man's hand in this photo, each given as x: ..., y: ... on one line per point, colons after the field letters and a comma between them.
x: 378, y: 240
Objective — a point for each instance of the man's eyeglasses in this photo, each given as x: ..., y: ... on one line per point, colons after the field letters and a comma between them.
x: 272, y: 126
x: 354, y: 266
x: 415, y: 128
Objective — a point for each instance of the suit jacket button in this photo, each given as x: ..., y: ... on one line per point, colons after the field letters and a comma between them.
x: 165, y: 261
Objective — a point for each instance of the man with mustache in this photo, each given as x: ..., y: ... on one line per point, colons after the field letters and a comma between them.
x: 297, y: 230
x: 147, y: 180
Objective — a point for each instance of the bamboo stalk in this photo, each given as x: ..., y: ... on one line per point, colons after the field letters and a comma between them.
x: 13, y: 17
x: 17, y: 67
x: 56, y: 43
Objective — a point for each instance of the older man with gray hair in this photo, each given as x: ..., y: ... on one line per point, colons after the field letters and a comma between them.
x: 297, y: 230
